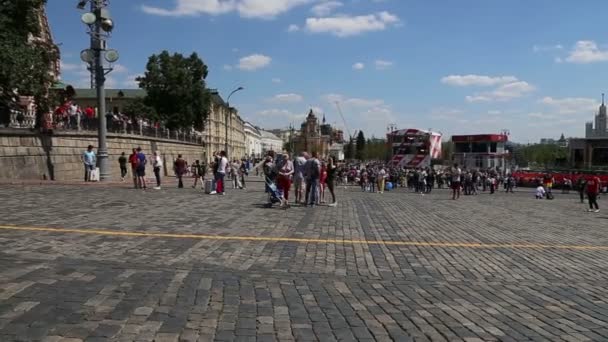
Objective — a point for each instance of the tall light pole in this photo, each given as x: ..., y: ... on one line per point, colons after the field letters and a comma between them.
x: 228, y: 114
x: 100, y: 26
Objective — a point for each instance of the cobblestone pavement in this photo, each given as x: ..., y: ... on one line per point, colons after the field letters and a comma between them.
x: 504, y: 267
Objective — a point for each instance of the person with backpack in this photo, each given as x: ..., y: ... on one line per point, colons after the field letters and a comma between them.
x: 141, y: 168
x: 133, y: 162
x: 122, y: 162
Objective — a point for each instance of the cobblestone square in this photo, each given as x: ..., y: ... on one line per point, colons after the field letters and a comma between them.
x: 109, y: 263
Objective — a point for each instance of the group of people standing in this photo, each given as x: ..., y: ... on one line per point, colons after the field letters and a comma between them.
x: 310, y: 176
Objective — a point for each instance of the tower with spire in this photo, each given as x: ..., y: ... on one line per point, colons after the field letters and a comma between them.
x: 601, y: 124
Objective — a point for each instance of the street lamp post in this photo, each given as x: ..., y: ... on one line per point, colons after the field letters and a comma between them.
x: 228, y: 114
x: 100, y: 26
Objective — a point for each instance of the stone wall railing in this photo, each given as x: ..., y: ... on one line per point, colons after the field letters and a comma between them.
x: 27, y: 120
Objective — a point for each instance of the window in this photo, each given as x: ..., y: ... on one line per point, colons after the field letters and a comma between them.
x: 493, y: 147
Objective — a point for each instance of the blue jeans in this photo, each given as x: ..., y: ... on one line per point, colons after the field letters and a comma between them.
x: 311, y: 190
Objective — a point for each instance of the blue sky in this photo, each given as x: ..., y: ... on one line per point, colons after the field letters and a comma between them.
x: 535, y: 67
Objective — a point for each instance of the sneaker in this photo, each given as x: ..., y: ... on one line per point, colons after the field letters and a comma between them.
x: 213, y: 193
x: 597, y: 210
x: 157, y: 188
x: 589, y: 210
x: 335, y: 204
x: 223, y: 194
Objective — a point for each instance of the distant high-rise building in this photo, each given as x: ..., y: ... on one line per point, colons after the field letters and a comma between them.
x: 601, y: 122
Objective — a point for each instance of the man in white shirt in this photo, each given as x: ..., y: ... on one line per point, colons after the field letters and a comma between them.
x: 221, y: 173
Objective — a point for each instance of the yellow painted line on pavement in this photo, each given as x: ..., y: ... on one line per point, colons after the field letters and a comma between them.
x: 300, y: 240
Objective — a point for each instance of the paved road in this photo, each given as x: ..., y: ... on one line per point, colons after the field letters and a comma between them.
x: 116, y: 264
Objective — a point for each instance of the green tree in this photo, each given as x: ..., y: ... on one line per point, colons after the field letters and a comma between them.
x: 138, y: 107
x: 25, y: 65
x: 541, y: 155
x: 360, y: 146
x: 349, y: 150
x: 176, y: 89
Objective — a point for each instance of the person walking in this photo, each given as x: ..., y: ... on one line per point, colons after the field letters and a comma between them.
x: 331, y: 180
x: 243, y: 171
x: 221, y: 173
x: 122, y: 162
x: 214, y: 167
x: 141, y: 168
x: 199, y: 174
x: 286, y: 172
x: 322, y: 182
x: 298, y: 176
x: 593, y: 190
x: 381, y: 179
x: 581, y: 185
x: 312, y: 173
x: 89, y: 160
x: 157, y: 164
x: 181, y: 167
x: 456, y: 174
x: 234, y: 174
x: 133, y: 162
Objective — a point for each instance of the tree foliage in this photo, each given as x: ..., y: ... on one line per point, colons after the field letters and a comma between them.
x: 138, y: 108
x: 376, y: 149
x: 24, y: 69
x: 542, y: 155
x: 176, y: 89
x: 360, y: 146
x: 349, y: 150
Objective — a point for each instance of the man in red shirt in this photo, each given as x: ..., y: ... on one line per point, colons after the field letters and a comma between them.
x: 134, y: 162
x: 593, y: 189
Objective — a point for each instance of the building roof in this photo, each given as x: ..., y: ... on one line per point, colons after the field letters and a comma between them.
x: 85, y: 93
x: 216, y: 97
x: 268, y: 135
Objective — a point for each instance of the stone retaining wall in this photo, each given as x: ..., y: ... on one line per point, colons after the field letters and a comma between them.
x: 32, y: 155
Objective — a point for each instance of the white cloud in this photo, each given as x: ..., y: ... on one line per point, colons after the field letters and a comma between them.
x: 476, y: 80
x: 345, y: 25
x: 505, y: 92
x: 587, y: 51
x: 383, y: 65
x: 119, y: 69
x: 131, y: 83
x: 325, y: 8
x: 352, y: 101
x: 264, y: 9
x: 254, y: 62
x: 541, y: 116
x: 293, y: 28
x: 545, y: 48
x: 571, y: 105
x: 276, y: 80
x: 358, y: 66
x: 279, y: 116
x: 287, y: 98
x: 70, y: 66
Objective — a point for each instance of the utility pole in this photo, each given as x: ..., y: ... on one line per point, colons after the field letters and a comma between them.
x: 100, y: 26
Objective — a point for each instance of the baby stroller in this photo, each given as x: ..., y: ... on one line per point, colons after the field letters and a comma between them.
x: 275, y: 195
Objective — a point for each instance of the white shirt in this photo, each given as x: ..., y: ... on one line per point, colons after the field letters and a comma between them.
x: 223, y: 165
x: 157, y: 162
x: 540, y: 191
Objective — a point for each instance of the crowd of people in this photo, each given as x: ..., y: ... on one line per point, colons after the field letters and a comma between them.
x: 314, y: 179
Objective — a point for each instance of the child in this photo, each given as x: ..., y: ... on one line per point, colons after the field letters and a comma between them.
x: 540, y: 192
